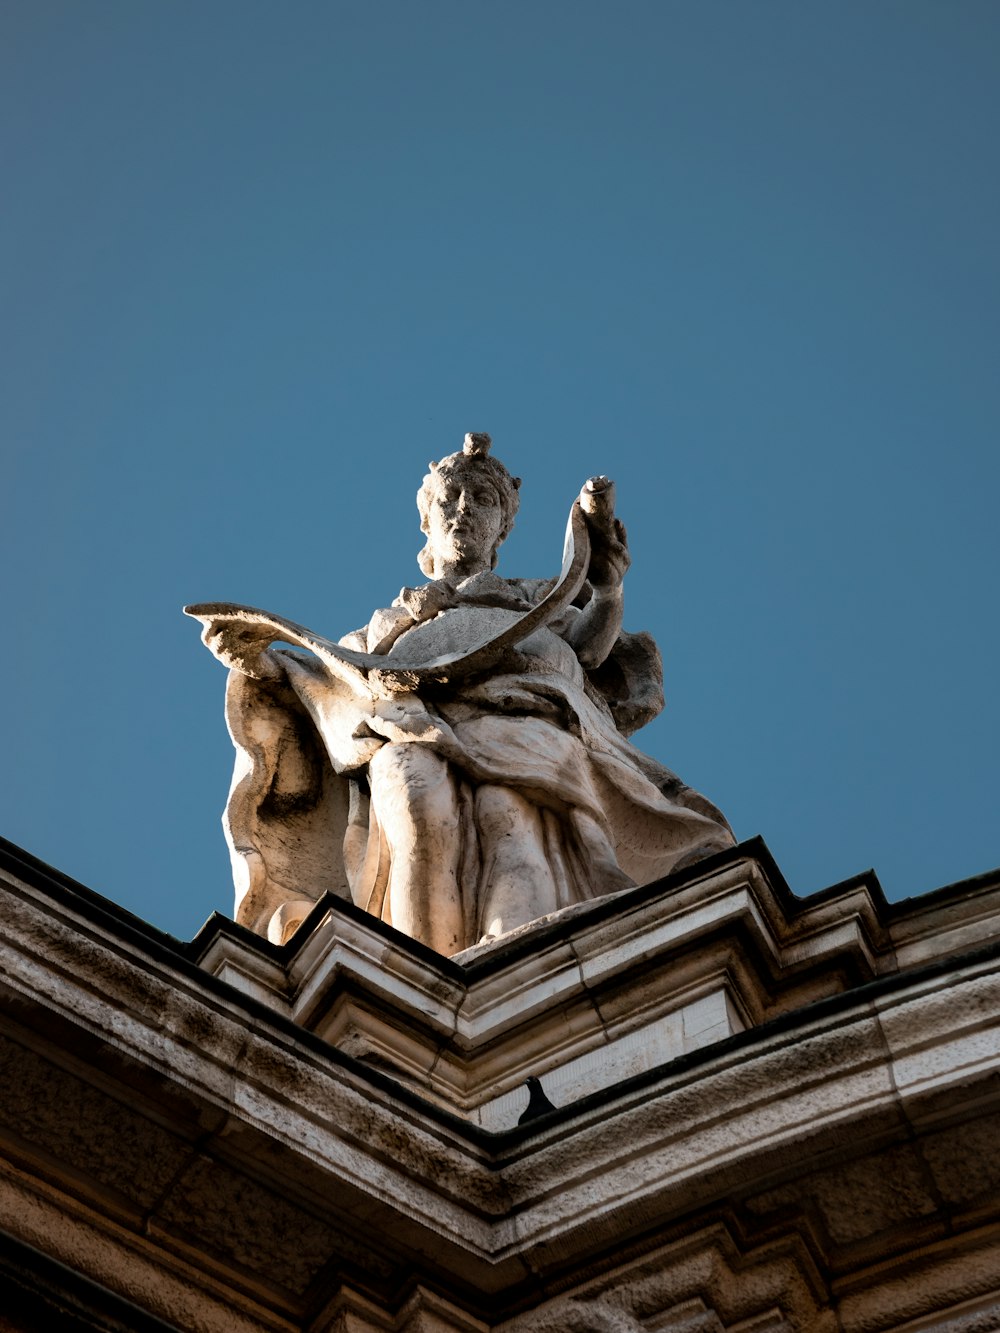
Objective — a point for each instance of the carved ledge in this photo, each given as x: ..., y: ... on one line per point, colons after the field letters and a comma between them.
x: 599, y: 993
x: 195, y: 1149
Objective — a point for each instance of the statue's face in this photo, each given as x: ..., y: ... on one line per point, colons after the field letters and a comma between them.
x: 464, y: 521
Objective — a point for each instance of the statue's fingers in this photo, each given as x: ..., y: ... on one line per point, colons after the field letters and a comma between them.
x: 213, y: 630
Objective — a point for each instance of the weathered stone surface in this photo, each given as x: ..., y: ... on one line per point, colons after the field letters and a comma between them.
x: 51, y: 1114
x: 823, y: 1167
x: 587, y: 999
x: 458, y: 766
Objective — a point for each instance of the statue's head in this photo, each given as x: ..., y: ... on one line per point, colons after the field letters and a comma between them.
x: 467, y: 506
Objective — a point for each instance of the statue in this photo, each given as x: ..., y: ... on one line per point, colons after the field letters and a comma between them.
x: 458, y: 767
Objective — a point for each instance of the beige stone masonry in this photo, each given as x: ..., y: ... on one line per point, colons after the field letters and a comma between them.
x: 589, y: 998
x: 764, y: 1121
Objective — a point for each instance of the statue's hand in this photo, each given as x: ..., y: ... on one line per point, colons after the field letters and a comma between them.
x: 609, y: 555
x: 242, y: 648
x: 426, y: 602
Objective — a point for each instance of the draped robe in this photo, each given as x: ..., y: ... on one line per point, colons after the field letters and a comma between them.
x: 301, y: 820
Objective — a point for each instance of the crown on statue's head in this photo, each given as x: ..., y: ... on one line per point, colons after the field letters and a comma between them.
x: 477, y: 443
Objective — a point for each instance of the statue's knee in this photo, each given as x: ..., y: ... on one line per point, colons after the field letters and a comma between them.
x: 512, y: 827
x: 504, y: 809
x: 411, y: 777
x: 394, y: 763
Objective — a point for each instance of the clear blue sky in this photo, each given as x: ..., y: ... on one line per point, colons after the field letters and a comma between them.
x: 261, y: 262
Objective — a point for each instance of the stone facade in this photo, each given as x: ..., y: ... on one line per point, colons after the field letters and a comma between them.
x: 757, y: 1113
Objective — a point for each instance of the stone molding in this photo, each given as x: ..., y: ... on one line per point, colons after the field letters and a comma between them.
x: 230, y: 1156
x: 598, y: 994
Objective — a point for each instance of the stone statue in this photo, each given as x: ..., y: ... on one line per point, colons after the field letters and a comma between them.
x: 458, y: 767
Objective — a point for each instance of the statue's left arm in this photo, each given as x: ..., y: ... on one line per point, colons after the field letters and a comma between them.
x: 593, y: 631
